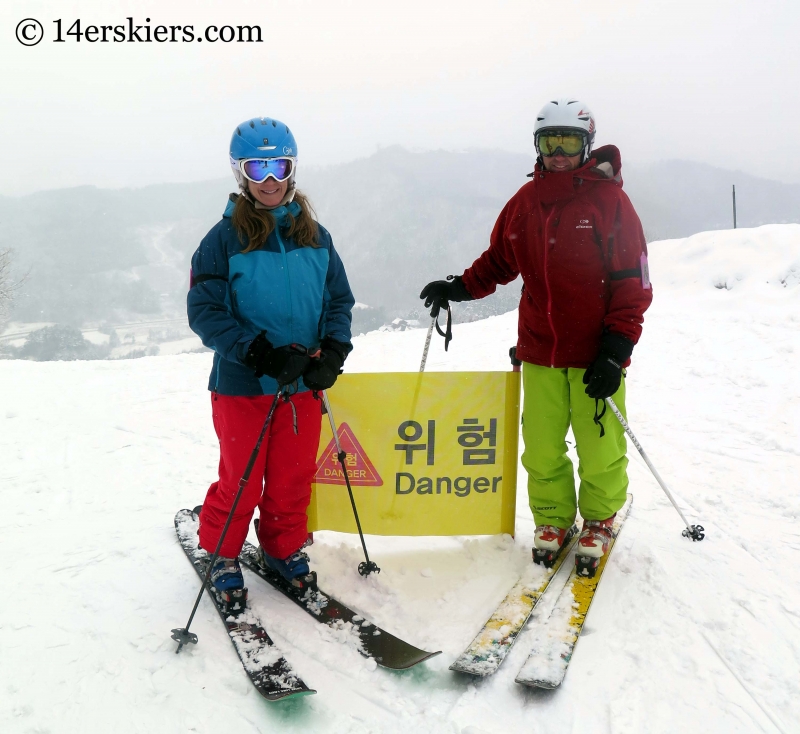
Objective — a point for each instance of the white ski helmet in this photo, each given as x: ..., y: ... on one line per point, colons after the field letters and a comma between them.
x: 566, y: 114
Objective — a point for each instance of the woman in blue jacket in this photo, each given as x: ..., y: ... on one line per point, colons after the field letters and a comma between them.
x: 267, y: 290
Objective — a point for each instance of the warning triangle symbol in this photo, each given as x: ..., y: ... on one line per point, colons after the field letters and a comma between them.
x: 360, y: 469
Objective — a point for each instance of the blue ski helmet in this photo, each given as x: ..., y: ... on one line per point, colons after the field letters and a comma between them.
x: 261, y: 137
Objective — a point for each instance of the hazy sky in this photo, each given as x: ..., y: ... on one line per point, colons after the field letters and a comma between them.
x: 711, y: 81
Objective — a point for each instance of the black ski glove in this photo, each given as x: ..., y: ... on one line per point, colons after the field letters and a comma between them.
x: 323, y: 371
x: 439, y: 293
x: 284, y: 364
x: 604, y: 375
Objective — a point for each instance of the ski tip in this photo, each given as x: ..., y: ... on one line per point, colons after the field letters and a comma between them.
x: 186, y: 512
x: 430, y: 655
x: 476, y: 670
x: 411, y: 663
x: 285, y: 695
x: 182, y: 516
x: 544, y: 685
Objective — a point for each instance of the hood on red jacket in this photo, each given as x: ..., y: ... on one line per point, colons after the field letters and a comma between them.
x: 604, y: 165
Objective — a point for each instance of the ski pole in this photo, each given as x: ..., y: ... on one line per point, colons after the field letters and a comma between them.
x: 447, y: 333
x: 366, y: 567
x: 427, y: 345
x: 182, y: 635
x: 695, y: 532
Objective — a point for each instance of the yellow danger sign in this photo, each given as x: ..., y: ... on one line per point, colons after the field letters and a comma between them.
x: 427, y: 454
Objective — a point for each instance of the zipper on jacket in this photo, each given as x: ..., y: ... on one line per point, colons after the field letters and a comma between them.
x: 549, y: 293
x: 288, y: 282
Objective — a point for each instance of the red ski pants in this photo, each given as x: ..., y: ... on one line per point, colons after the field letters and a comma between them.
x: 280, y: 483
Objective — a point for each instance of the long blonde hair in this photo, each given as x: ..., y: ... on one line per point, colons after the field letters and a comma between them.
x: 254, y: 226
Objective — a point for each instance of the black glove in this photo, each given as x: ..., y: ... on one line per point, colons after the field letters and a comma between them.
x: 605, y: 374
x: 284, y: 364
x: 323, y: 371
x: 439, y: 293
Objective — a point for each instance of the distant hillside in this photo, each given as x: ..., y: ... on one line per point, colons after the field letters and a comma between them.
x: 399, y: 219
x: 106, y: 255
x: 681, y: 198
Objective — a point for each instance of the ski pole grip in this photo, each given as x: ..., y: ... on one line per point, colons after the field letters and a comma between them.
x: 515, y: 363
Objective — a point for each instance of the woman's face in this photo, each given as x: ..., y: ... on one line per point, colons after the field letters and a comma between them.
x: 270, y: 192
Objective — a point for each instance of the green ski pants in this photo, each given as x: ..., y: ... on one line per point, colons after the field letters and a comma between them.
x: 554, y: 398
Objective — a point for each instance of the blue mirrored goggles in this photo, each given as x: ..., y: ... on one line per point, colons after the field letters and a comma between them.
x: 259, y: 170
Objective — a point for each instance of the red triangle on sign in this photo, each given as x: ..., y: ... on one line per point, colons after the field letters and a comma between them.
x: 360, y: 470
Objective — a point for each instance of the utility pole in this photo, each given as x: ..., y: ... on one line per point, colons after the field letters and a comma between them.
x: 734, y: 207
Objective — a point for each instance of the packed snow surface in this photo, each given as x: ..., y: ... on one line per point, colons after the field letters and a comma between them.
x: 98, y: 456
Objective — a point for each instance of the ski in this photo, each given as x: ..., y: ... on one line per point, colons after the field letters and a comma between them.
x: 547, y: 664
x: 266, y: 667
x: 373, y: 642
x: 494, y: 641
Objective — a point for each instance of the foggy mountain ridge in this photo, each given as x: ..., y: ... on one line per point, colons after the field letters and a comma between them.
x: 398, y: 218
x: 676, y: 198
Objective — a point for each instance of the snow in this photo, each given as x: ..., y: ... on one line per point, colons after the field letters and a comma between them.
x: 98, y: 456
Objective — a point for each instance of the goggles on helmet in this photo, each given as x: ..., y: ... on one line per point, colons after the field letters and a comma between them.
x: 565, y: 142
x: 259, y: 170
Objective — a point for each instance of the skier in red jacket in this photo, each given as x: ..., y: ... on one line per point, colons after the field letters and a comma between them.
x: 576, y: 240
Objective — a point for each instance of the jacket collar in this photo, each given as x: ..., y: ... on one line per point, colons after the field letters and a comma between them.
x: 279, y: 214
x: 604, y: 165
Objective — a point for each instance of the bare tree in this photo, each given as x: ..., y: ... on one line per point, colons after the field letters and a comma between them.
x: 7, y: 287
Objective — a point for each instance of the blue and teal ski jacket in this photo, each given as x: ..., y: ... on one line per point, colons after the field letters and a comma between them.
x: 296, y: 295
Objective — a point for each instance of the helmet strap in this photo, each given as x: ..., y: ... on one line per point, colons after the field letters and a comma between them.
x: 244, y: 191
x: 290, y: 192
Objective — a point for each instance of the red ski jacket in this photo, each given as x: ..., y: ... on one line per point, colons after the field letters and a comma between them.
x: 578, y: 244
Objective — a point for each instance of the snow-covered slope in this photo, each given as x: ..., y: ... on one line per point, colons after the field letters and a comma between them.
x: 96, y: 457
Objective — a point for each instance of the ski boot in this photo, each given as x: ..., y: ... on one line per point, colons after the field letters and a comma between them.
x: 292, y: 570
x: 548, y: 543
x: 227, y: 583
x: 593, y: 545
